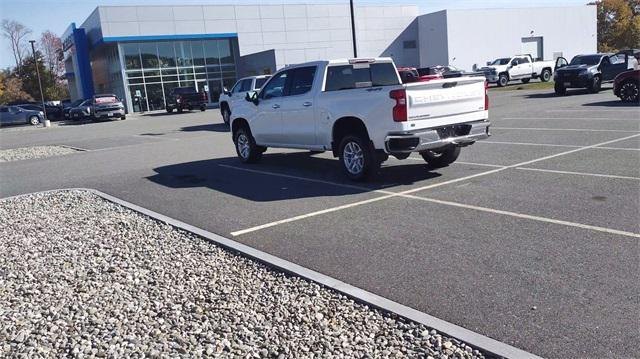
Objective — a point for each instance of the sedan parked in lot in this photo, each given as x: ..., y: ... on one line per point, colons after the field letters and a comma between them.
x: 54, y: 113
x: 626, y: 86
x: 70, y: 105
x: 81, y: 111
x: 14, y: 115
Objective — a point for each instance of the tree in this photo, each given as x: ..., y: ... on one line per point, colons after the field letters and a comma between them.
x: 51, y: 45
x: 11, y: 89
x: 16, y: 33
x: 53, y: 86
x: 618, y: 24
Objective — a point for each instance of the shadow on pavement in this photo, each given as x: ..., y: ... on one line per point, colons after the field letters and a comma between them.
x: 613, y: 103
x: 265, y: 187
x: 215, y: 127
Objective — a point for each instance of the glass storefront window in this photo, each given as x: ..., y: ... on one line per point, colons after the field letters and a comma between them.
x: 166, y: 54
x: 152, y: 69
x: 197, y: 50
x: 149, y: 54
x: 131, y: 56
x: 183, y: 53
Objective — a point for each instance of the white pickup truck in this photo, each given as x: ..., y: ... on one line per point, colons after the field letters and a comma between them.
x: 518, y: 67
x: 230, y: 97
x: 359, y: 110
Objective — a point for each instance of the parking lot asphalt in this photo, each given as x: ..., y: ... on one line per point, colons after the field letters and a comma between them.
x: 531, y: 238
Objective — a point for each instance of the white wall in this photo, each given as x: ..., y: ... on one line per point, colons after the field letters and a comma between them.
x: 477, y: 36
x: 298, y: 33
x: 434, y: 45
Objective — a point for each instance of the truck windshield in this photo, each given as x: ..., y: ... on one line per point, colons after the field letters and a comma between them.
x: 586, y: 60
x: 260, y: 82
x: 501, y: 61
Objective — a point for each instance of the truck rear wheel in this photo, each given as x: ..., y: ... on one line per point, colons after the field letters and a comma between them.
x: 246, y: 147
x: 357, y: 158
x: 503, y: 80
x: 545, y: 76
x: 441, y: 157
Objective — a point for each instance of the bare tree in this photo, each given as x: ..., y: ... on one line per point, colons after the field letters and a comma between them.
x: 50, y: 46
x: 16, y: 33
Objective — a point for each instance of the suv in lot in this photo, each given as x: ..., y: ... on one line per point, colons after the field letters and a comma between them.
x: 360, y: 110
x: 588, y: 71
x: 519, y: 67
x: 105, y: 106
x: 229, y: 98
x: 185, y: 98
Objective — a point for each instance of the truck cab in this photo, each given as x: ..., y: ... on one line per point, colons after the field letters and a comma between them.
x: 237, y: 93
x: 519, y: 67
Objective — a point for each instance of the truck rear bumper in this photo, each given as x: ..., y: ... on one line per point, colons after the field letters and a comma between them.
x: 462, y: 134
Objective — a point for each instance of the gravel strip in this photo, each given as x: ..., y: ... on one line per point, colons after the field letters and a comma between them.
x: 27, y: 153
x: 84, y: 277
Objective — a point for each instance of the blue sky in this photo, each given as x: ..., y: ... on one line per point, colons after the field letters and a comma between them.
x: 56, y: 15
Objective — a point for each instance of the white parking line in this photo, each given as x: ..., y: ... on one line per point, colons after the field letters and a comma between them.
x: 554, y: 145
x: 578, y: 173
x: 614, y: 109
x: 560, y: 129
x: 526, y: 216
x: 414, y: 190
x: 568, y: 118
x: 464, y: 163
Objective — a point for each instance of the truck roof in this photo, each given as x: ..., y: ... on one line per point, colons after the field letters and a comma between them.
x: 344, y: 61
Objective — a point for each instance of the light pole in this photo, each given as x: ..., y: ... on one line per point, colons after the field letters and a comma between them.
x: 353, y: 30
x: 35, y: 63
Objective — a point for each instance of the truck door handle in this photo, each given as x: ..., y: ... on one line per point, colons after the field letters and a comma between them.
x: 306, y: 104
x: 275, y: 105
x: 374, y: 89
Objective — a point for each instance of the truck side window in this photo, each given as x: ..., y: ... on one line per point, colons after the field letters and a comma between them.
x: 524, y: 60
x: 275, y: 87
x: 302, y: 80
x: 236, y: 87
x: 246, y: 85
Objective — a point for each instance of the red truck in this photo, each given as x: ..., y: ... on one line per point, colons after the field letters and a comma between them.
x: 410, y: 74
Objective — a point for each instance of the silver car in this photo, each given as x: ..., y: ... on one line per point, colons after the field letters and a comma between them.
x: 14, y: 115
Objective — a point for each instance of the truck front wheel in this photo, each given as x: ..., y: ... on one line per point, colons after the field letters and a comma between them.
x: 357, y: 158
x: 503, y: 80
x: 246, y: 147
x: 560, y: 90
x: 441, y: 157
x: 596, y: 84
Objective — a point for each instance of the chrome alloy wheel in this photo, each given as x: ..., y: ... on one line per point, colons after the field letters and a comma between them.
x: 629, y: 92
x: 353, y: 158
x: 243, y: 146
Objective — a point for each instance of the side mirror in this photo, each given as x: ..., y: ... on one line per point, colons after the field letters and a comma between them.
x: 252, y: 96
x: 226, y: 91
x: 488, y: 63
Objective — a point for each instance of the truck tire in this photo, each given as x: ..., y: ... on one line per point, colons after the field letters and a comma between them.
x: 525, y: 81
x: 545, y: 76
x: 246, y: 147
x: 203, y: 108
x: 179, y: 109
x: 169, y: 109
x: 441, y: 157
x: 596, y: 84
x: 560, y: 89
x: 226, y: 114
x: 629, y: 91
x: 503, y: 80
x: 357, y: 157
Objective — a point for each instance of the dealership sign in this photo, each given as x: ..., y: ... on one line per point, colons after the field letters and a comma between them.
x: 67, y: 43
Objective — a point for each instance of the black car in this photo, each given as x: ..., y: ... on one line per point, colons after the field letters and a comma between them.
x: 67, y: 106
x: 588, y: 71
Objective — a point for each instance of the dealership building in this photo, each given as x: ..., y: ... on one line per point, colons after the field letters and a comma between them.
x: 140, y: 53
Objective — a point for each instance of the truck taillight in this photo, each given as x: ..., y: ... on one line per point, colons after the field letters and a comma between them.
x: 486, y: 95
x: 178, y: 99
x: 400, y: 109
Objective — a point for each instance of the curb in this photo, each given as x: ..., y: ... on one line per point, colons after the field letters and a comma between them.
x: 469, y: 337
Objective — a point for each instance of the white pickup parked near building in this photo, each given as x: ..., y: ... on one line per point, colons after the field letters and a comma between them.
x: 237, y: 93
x: 519, y: 67
x: 360, y: 111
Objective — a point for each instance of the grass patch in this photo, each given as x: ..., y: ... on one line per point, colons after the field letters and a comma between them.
x: 538, y: 85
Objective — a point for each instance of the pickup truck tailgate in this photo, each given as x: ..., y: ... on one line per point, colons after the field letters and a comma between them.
x: 444, y: 98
